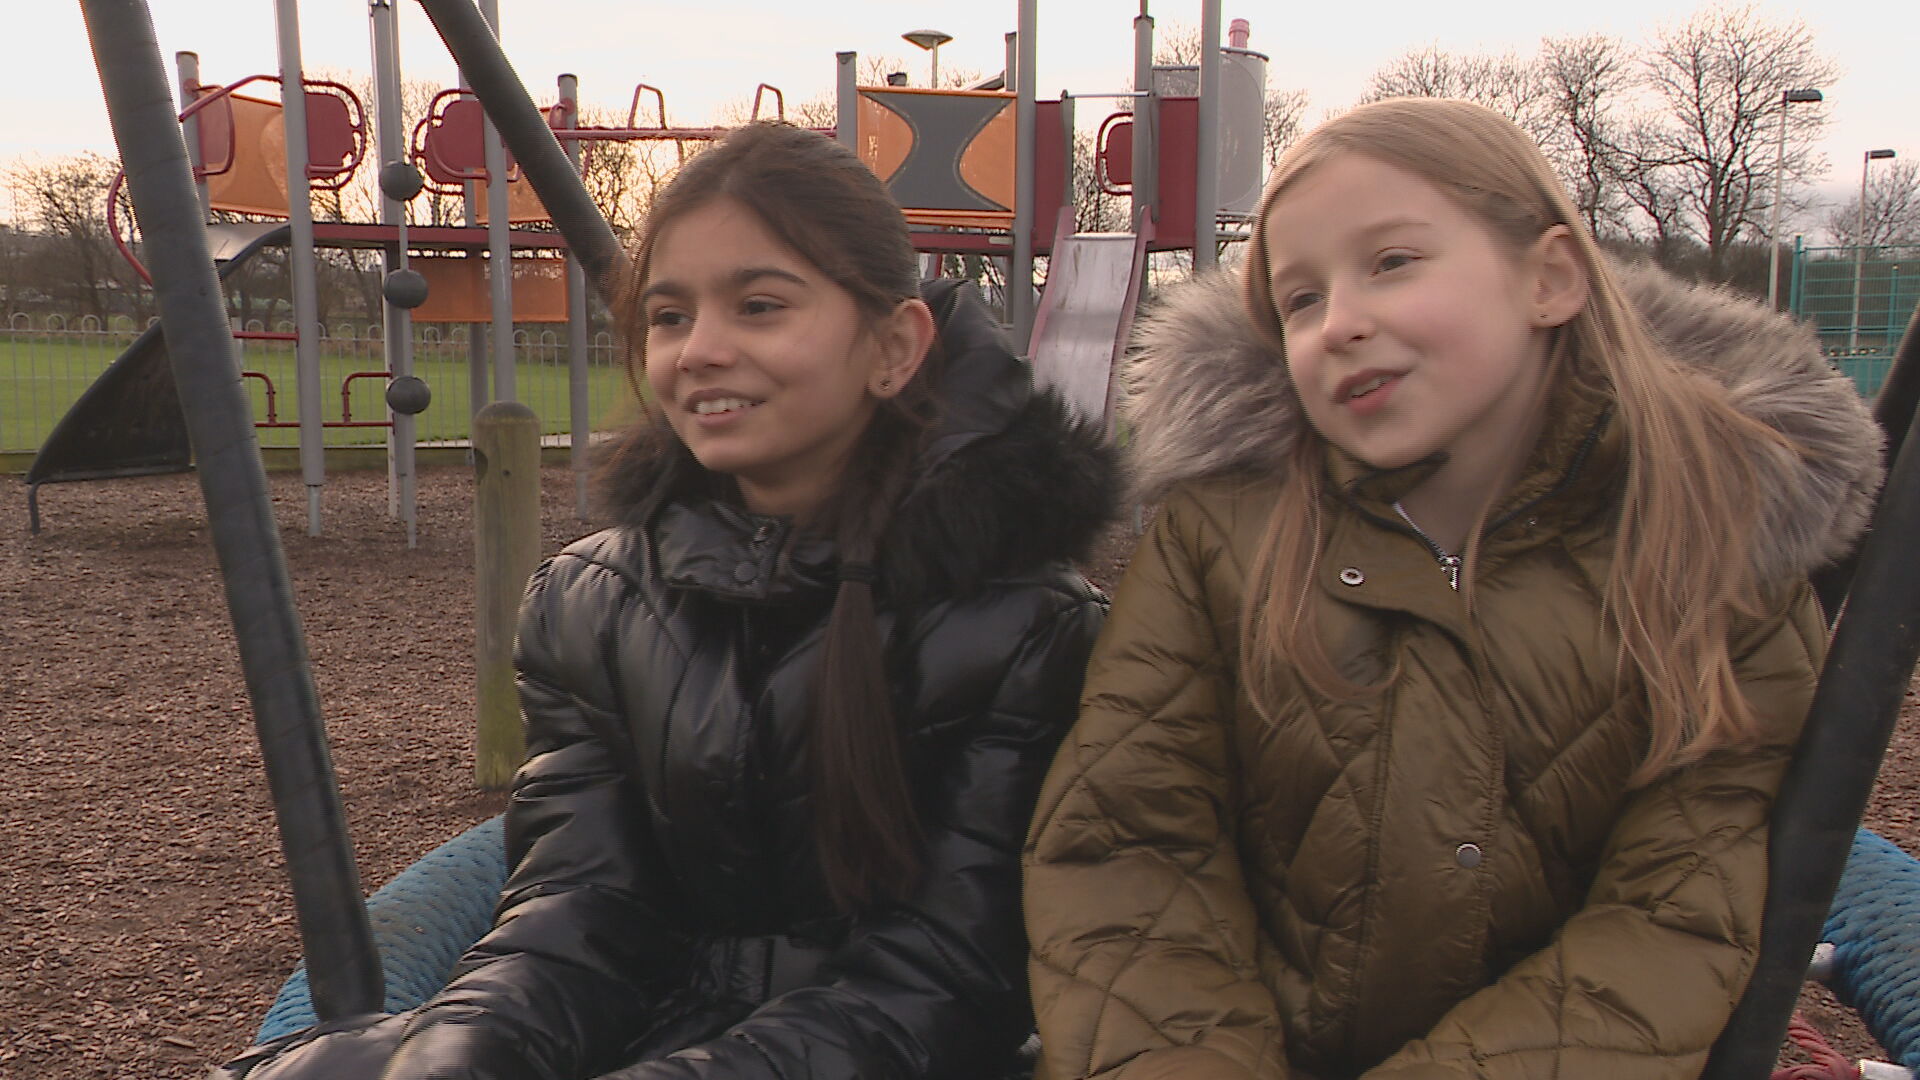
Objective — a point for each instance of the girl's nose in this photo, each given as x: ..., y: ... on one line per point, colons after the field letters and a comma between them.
x: 1347, y: 319
x: 706, y: 345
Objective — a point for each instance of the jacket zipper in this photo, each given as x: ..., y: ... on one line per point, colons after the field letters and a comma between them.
x: 1449, y: 563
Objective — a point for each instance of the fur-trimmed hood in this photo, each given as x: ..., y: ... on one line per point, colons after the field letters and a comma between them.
x: 1009, y: 481
x: 1206, y: 396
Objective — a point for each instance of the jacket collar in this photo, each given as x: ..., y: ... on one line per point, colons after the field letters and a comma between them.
x: 1580, y: 454
x: 1206, y: 396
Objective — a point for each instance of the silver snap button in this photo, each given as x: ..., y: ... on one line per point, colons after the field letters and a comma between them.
x: 1352, y: 576
x: 745, y: 571
x: 1467, y: 855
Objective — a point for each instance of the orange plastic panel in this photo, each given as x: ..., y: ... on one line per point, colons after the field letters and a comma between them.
x: 255, y: 181
x: 886, y: 139
x: 457, y: 289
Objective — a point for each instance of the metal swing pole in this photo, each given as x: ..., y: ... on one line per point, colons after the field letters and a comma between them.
x: 343, y: 966
x: 525, y: 131
x: 1869, y: 666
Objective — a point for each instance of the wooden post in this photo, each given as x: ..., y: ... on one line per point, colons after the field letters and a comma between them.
x: 506, y: 548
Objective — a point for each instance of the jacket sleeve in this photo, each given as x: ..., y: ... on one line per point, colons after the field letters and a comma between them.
x: 1641, y: 979
x: 582, y: 919
x: 1145, y: 942
x: 933, y: 986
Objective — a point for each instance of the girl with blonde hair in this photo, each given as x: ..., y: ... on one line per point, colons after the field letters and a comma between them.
x: 1439, y: 715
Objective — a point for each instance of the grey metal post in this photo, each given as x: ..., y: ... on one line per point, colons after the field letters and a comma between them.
x: 187, y: 65
x: 342, y: 964
x: 1206, y: 187
x: 306, y: 299
x: 391, y: 139
x: 1859, y: 256
x: 846, y: 97
x: 1860, y: 246
x: 499, y: 244
x: 478, y: 393
x: 1146, y: 122
x: 1010, y: 66
x: 1020, y: 282
x: 1773, y: 228
x: 579, y: 452
x: 1066, y: 131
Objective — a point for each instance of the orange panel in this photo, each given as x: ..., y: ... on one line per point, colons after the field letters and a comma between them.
x: 988, y: 162
x: 960, y: 219
x: 885, y: 139
x: 523, y: 206
x: 256, y: 183
x: 457, y: 289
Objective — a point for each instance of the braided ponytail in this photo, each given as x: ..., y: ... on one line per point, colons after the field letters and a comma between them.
x: 865, y: 827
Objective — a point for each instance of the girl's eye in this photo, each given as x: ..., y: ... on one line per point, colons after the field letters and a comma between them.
x: 1298, y: 302
x: 1393, y: 261
x: 760, y: 305
x: 667, y: 318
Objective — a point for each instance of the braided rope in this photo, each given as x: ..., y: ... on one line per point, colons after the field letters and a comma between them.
x: 1874, y: 925
x: 422, y: 921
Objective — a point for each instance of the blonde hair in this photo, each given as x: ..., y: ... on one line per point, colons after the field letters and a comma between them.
x: 1682, y: 571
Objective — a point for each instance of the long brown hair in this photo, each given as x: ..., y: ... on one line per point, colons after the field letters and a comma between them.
x: 816, y: 197
x: 1682, y: 571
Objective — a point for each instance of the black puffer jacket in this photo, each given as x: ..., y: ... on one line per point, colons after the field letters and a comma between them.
x: 665, y: 908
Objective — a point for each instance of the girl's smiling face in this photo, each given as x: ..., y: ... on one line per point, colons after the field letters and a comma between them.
x: 765, y: 368
x: 1410, y: 327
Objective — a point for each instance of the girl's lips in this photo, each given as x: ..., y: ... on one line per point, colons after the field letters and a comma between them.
x: 711, y: 410
x: 1371, y: 400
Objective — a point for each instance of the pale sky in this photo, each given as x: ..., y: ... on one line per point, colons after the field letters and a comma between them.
x: 706, y: 52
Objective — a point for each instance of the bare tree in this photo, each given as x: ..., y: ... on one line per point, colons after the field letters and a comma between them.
x: 1651, y: 187
x: 1893, y: 209
x: 1719, y: 76
x: 1584, y: 81
x: 1283, y: 117
x: 1505, y: 83
x: 65, y: 199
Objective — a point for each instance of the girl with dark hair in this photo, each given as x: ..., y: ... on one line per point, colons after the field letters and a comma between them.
x: 786, y: 720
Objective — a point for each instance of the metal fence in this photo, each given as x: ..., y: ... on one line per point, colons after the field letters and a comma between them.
x: 48, y: 361
x: 1858, y: 300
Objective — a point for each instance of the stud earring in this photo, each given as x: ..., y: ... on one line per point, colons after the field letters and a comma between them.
x: 886, y: 383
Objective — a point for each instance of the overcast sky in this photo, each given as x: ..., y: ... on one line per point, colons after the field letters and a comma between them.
x: 704, y: 53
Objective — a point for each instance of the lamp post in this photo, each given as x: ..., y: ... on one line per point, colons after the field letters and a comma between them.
x: 1860, y: 244
x: 930, y: 40
x: 1787, y: 97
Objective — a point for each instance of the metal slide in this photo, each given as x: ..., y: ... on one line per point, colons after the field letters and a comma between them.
x: 128, y: 422
x: 1086, y: 315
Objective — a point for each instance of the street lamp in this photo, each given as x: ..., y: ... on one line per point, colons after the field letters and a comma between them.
x: 1860, y: 244
x: 930, y: 40
x: 1787, y: 97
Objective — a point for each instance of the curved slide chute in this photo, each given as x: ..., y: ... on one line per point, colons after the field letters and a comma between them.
x: 129, y: 421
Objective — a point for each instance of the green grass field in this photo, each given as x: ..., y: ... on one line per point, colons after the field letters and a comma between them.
x: 42, y: 375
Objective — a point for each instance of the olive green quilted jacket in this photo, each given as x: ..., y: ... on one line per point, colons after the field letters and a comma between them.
x: 1453, y: 877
